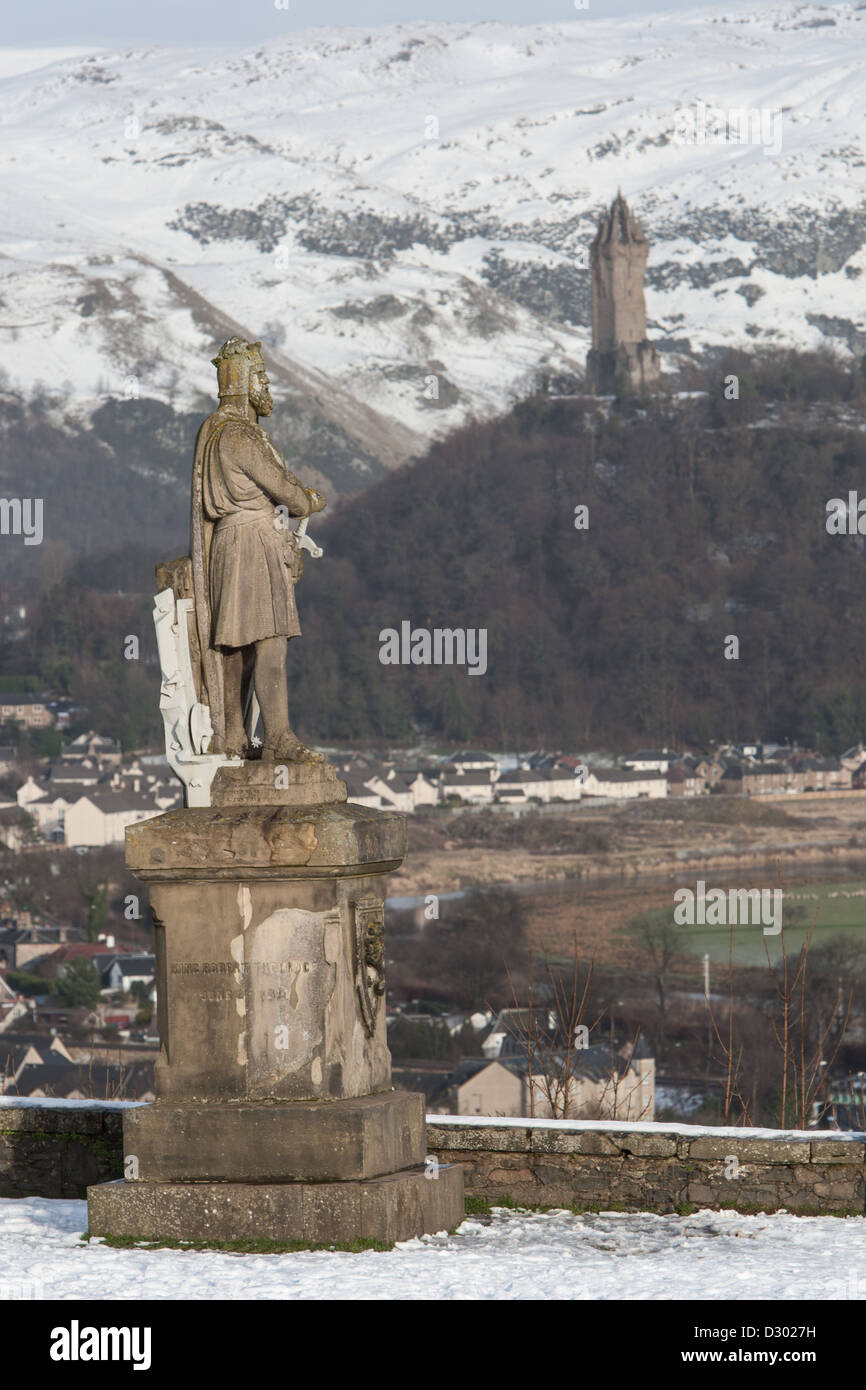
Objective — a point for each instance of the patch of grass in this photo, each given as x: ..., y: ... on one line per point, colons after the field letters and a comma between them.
x: 240, y: 1247
x: 595, y: 1208
x: 477, y: 1206
x: 543, y: 834
x: 481, y: 1206
x: 713, y: 810
x: 685, y: 1208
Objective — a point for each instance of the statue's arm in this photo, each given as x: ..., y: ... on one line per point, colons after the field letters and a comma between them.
x: 281, y: 486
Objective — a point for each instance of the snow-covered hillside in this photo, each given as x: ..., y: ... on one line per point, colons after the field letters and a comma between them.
x: 388, y: 207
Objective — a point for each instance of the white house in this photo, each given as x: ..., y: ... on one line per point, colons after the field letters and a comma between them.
x: 469, y: 786
x: 48, y: 808
x: 125, y: 971
x: 546, y: 784
x: 73, y: 776
x: 520, y: 786
x: 616, y: 782
x: 361, y: 795
x: 561, y: 784
x: 12, y: 1007
x: 425, y: 789
x: 602, y: 1085
x: 92, y: 745
x: 101, y: 818
x: 29, y: 791
x: 395, y: 794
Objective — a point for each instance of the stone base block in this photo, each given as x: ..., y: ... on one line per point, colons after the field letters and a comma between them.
x: 249, y: 1141
x: 390, y: 1208
x: 277, y: 784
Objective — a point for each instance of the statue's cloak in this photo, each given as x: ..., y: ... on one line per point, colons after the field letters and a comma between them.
x: 244, y: 567
x: 201, y: 532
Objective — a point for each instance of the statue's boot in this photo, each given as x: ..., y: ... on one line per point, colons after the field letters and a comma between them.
x: 287, y: 748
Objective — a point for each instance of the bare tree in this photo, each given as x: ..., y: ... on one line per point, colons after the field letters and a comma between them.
x: 732, y: 1056
x: 553, y: 1033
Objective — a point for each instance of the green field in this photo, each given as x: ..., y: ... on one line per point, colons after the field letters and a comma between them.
x: 833, y: 907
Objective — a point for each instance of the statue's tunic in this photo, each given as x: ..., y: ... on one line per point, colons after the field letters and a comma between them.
x: 253, y: 561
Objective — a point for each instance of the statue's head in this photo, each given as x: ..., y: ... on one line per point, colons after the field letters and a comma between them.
x: 241, y: 373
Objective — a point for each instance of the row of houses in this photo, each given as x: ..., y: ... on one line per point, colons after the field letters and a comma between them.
x: 480, y: 779
x: 118, y: 970
x: 40, y: 1067
x: 124, y: 975
x: 49, y: 951
x: 24, y: 938
x: 753, y: 769
x: 529, y: 1068
x: 87, y: 799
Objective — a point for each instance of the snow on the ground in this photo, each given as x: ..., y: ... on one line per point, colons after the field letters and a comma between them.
x: 512, y: 1255
x: 52, y: 1103
x: 686, y: 1131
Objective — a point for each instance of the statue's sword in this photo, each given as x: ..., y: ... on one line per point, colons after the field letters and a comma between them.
x: 304, y: 541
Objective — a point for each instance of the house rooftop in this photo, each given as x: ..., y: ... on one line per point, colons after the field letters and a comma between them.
x: 356, y: 788
x: 111, y: 802
x: 619, y: 774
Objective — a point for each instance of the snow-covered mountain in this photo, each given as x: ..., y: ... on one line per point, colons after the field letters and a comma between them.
x: 408, y: 210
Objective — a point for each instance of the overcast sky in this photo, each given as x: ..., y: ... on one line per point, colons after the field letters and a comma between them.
x: 56, y: 22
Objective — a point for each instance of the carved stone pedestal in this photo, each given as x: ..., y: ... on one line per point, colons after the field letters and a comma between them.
x: 275, y: 1116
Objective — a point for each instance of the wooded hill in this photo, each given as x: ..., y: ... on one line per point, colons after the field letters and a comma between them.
x: 706, y: 520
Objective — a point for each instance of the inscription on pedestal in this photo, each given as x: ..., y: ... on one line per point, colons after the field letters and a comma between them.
x: 249, y: 972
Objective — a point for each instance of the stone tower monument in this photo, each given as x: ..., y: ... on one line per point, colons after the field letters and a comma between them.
x: 275, y: 1117
x: 620, y: 349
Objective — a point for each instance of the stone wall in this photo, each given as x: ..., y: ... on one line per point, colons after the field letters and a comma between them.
x: 652, y: 1167
x: 58, y: 1148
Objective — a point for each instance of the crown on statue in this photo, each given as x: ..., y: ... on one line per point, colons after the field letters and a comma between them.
x: 234, y: 362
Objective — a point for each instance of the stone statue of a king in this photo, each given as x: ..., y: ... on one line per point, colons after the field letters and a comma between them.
x: 246, y: 560
x: 275, y: 1117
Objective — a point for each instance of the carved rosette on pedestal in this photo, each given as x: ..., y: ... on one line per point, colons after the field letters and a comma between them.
x: 369, y: 922
x: 275, y: 1116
